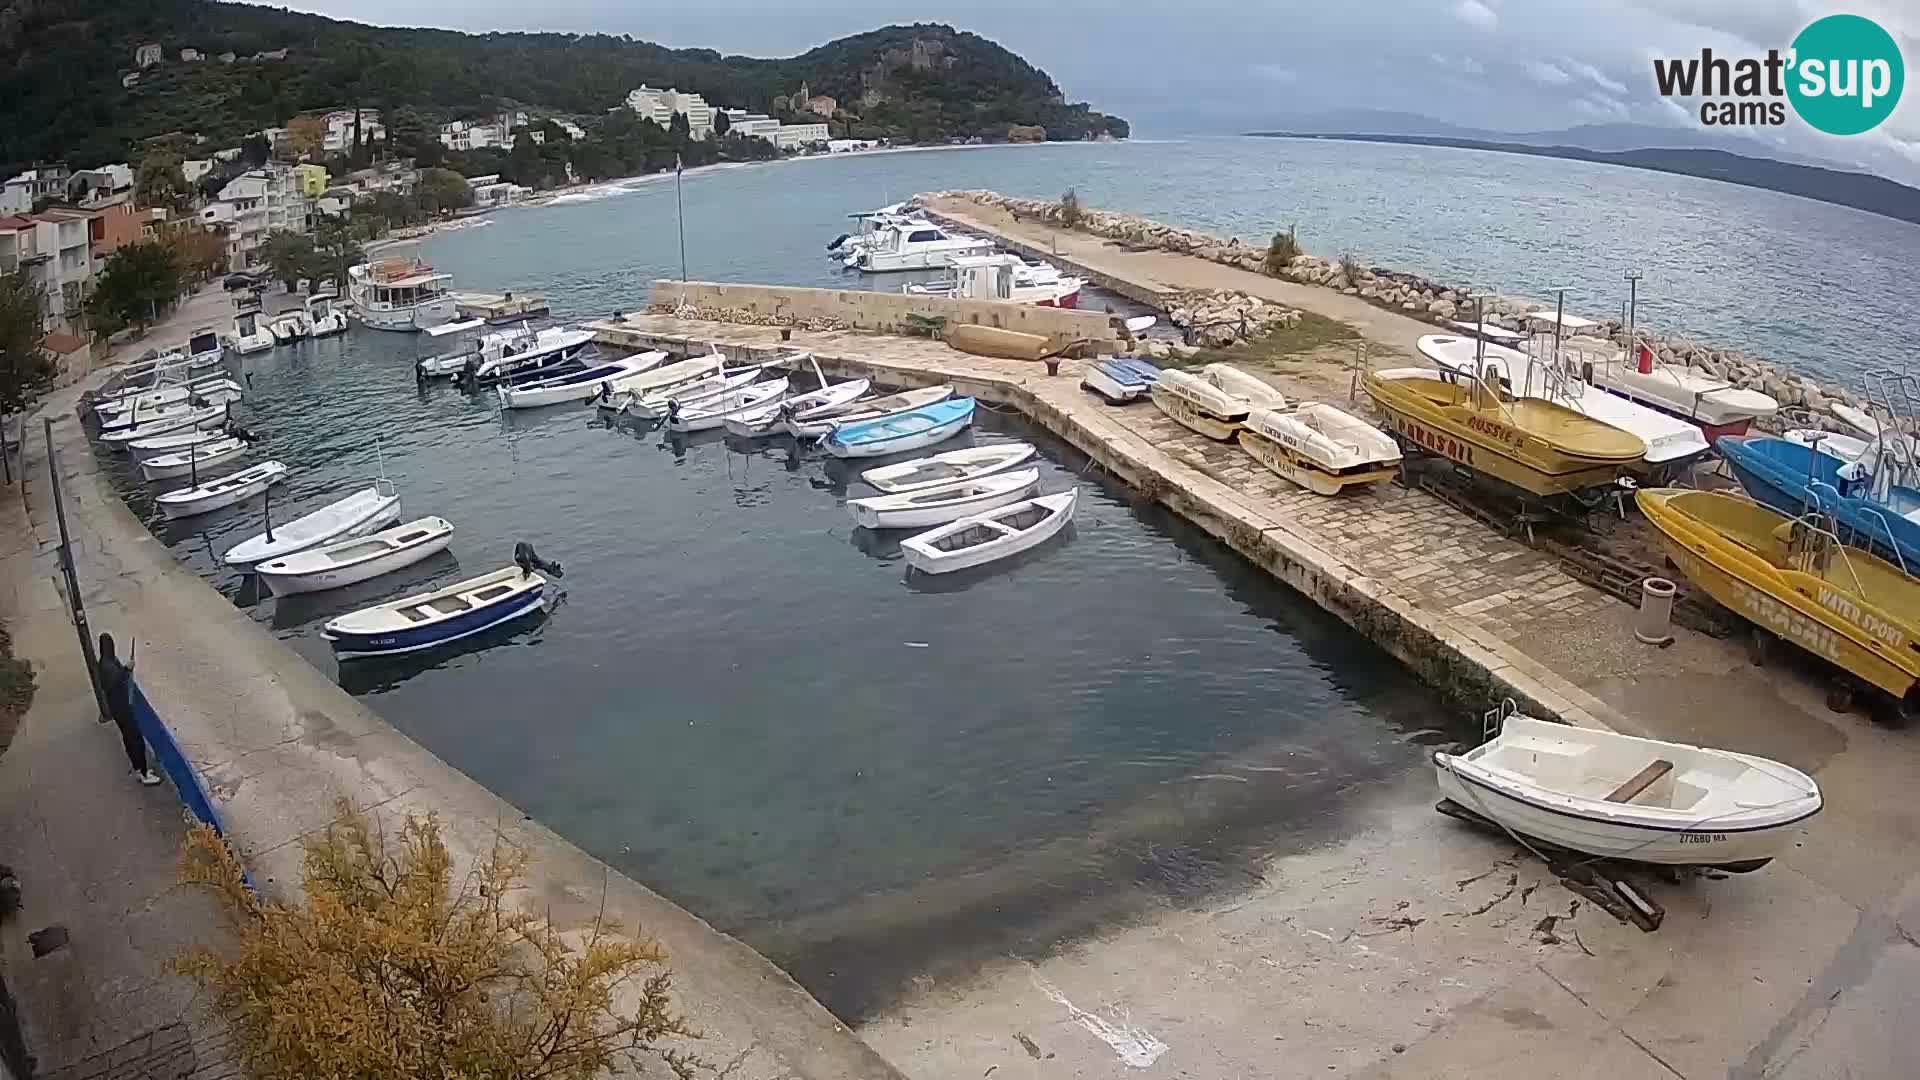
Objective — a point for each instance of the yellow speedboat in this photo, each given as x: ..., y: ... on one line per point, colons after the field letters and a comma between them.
x: 1535, y: 445
x: 1793, y: 577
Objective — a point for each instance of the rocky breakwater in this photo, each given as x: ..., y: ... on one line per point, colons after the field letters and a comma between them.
x: 1804, y: 402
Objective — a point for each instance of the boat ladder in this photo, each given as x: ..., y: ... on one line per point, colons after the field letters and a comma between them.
x: 1495, y: 718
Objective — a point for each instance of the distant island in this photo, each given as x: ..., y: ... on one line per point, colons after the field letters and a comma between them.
x: 1874, y: 194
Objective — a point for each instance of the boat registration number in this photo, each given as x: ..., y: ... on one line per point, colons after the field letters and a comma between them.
x: 1444, y: 445
x: 1703, y: 837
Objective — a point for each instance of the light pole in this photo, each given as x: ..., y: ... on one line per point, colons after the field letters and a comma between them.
x: 1633, y: 304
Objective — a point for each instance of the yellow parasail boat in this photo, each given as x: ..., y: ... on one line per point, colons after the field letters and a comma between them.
x: 1533, y: 444
x: 1793, y: 577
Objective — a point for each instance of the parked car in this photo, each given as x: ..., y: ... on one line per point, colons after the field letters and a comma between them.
x: 242, y: 281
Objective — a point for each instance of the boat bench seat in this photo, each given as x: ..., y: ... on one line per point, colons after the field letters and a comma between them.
x: 1641, y: 781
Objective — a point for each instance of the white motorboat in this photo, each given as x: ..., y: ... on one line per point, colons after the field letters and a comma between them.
x: 1671, y: 442
x: 1319, y: 447
x: 996, y: 534
x: 687, y: 389
x: 288, y: 327
x: 406, y: 295
x: 1713, y: 404
x: 176, y: 418
x: 1622, y: 797
x: 947, y: 502
x: 250, y: 333
x: 323, y: 318
x: 356, y: 559
x: 1215, y: 401
x: 435, y: 618
x: 226, y: 491
x: 580, y: 385
x: 822, y: 422
x: 362, y: 512
x: 866, y: 225
x: 913, y: 245
x: 204, y: 349
x: 715, y: 411
x: 504, y: 352
x: 767, y: 419
x: 120, y: 412
x: 1120, y: 379
x: 145, y: 450
x: 1006, y: 278
x: 902, y: 432
x: 951, y: 467
x: 197, y: 460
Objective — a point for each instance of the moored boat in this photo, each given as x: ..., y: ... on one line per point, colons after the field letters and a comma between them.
x: 989, y: 537
x: 1120, y: 379
x: 688, y: 388
x: 356, y: 559
x: 200, y: 458
x: 122, y: 412
x: 1621, y: 797
x: 921, y: 508
x: 1319, y: 447
x: 288, y: 327
x: 364, y: 511
x: 405, y: 295
x: 901, y: 432
x: 144, y: 450
x: 227, y: 491
x: 766, y: 419
x: 912, y: 245
x: 444, y: 615
x: 951, y: 467
x: 581, y: 385
x: 1002, y: 277
x: 169, y: 418
x: 323, y: 319
x: 822, y: 422
x: 714, y: 411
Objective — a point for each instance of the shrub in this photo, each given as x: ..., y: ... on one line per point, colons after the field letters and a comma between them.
x: 1070, y: 212
x: 1350, y: 267
x: 386, y: 971
x: 1281, y: 251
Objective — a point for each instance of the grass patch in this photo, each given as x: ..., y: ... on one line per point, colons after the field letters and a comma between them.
x: 1289, y: 345
x: 16, y: 689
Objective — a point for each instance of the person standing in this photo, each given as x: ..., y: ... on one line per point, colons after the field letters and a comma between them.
x: 116, y: 681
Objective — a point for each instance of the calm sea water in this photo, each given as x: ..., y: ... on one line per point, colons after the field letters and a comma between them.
x: 1826, y: 290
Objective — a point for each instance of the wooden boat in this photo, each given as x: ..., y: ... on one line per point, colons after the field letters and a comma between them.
x: 652, y: 404
x: 1319, y: 447
x: 199, y: 458
x: 1005, y: 344
x: 211, y: 416
x: 947, y: 502
x: 714, y: 411
x: 1793, y: 578
x: 902, y: 432
x: 1621, y: 797
x: 951, y: 467
x: 147, y: 449
x: 435, y: 618
x: 1536, y: 446
x: 766, y: 419
x: 226, y: 491
x: 1214, y: 402
x: 996, y: 534
x: 581, y: 385
x: 357, y: 559
x: 1120, y: 379
x: 364, y: 511
x: 821, y: 424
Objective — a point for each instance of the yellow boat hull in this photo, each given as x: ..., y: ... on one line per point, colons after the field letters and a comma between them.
x: 1859, y: 613
x: 1306, y: 472
x: 1192, y: 416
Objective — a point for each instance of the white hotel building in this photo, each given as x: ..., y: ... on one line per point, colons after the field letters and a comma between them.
x: 660, y: 105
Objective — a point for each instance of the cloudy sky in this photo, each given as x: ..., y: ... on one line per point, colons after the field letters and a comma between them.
x: 1227, y: 65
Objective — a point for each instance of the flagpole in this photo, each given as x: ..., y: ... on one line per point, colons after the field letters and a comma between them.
x: 680, y: 213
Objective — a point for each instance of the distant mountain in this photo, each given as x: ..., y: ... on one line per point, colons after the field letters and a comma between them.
x: 62, y: 94
x: 1861, y: 191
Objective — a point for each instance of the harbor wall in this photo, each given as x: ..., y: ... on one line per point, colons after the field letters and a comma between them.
x: 878, y: 312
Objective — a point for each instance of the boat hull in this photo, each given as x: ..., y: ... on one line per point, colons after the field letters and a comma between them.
x: 206, y: 465
x: 379, y: 514
x: 1187, y: 414
x: 348, y: 646
x: 923, y: 557
x: 231, y: 497
x: 884, y: 513
x: 336, y: 577
x: 409, y: 320
x: 1305, y: 471
x: 1813, y: 483
x: 903, y: 444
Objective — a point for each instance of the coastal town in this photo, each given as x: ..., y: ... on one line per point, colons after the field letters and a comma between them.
x: 512, y: 576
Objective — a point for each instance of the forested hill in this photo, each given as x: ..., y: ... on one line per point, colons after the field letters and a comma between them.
x: 61, y: 95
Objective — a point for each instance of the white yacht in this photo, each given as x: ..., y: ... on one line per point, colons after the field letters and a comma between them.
x: 400, y: 294
x: 1002, y: 277
x: 913, y: 245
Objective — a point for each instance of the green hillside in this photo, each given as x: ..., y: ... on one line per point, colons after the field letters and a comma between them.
x: 62, y: 98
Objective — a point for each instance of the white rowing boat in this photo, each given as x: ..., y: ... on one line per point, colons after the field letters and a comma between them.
x: 357, y: 559
x: 947, y: 502
x: 994, y: 535
x: 689, y: 389
x: 768, y: 419
x: 160, y: 445
x: 194, y: 460
x: 115, y: 413
x: 226, y: 491
x: 1622, y: 797
x: 951, y: 467
x: 210, y: 417
x: 714, y: 411
x: 822, y: 422
x: 362, y: 512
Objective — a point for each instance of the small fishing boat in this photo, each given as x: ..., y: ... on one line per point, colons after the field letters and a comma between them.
x: 580, y: 385
x: 1323, y: 449
x: 226, y: 491
x: 362, y: 512
x: 121, y: 412
x: 1120, y: 379
x: 1871, y: 507
x: 176, y: 418
x: 822, y: 422
x: 1715, y: 405
x: 714, y: 411
x: 996, y: 534
x: 1793, y: 578
x: 1622, y: 797
x: 197, y: 459
x: 435, y: 618
x: 1537, y: 446
x: 766, y: 419
x: 901, y: 432
x: 288, y: 327
x: 688, y: 390
x: 322, y: 318
x: 144, y: 450
x: 1216, y: 401
x: 947, y: 502
x: 951, y: 467
x: 357, y: 559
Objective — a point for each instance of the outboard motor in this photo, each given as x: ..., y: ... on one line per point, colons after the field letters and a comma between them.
x: 606, y: 390
x: 673, y: 409
x: 529, y: 560
x: 238, y: 432
x: 837, y: 241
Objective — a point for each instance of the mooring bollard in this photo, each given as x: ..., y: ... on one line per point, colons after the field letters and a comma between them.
x: 1654, y: 626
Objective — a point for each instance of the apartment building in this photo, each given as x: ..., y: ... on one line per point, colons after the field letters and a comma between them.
x: 660, y: 105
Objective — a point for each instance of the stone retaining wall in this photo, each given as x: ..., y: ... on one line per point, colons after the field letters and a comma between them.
x: 856, y: 309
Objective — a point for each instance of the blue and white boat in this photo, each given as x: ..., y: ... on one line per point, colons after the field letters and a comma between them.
x: 901, y: 432
x: 582, y: 385
x: 428, y: 619
x: 1869, y: 508
x: 1120, y: 379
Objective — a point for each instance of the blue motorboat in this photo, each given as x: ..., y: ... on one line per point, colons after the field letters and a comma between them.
x: 1120, y: 379
x: 436, y: 618
x: 1869, y: 509
x: 902, y: 432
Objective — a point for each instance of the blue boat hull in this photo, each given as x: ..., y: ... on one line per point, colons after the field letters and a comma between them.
x: 413, y: 639
x: 1795, y: 480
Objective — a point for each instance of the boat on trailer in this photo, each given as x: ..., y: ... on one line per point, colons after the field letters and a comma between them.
x: 902, y: 432
x: 1120, y: 379
x: 1216, y: 401
x: 444, y: 615
x: 951, y: 467
x: 364, y: 511
x: 948, y: 502
x: 226, y: 491
x: 1618, y: 796
x: 1717, y: 407
x: 821, y: 423
x: 989, y: 537
x: 355, y: 559
x: 1322, y: 448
